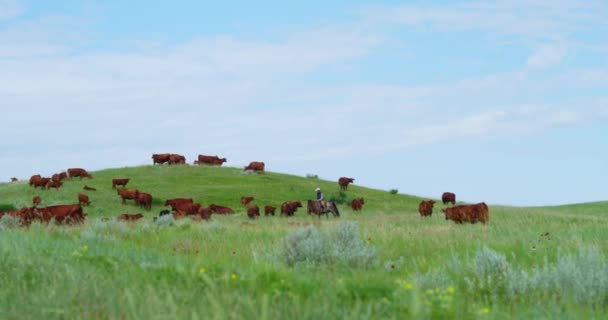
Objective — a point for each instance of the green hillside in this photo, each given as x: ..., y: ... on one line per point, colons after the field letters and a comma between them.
x: 205, y: 184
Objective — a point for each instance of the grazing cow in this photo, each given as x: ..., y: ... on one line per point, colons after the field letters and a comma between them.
x: 253, y: 211
x: 54, y: 184
x: 127, y: 194
x: 79, y: 172
x: 120, y: 182
x: 39, y: 182
x: 89, y: 188
x: 448, y: 197
x: 289, y: 208
x: 25, y: 215
x: 320, y: 207
x: 13, y: 179
x: 269, y: 210
x: 220, y: 209
x: 210, y: 160
x: 33, y: 178
x: 425, y: 208
x: 177, y: 159
x: 68, y: 213
x: 204, y: 213
x: 83, y: 199
x: 357, y: 204
x: 59, y: 176
x: 160, y: 158
x: 468, y: 213
x: 255, y: 166
x: 344, y: 181
x: 245, y: 200
x: 187, y: 208
x: 130, y: 217
x: 36, y: 200
x: 173, y: 203
x: 144, y: 200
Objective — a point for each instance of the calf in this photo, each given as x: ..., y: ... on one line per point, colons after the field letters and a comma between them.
x: 344, y: 181
x: 89, y: 188
x: 357, y: 204
x: 425, y: 208
x: 245, y: 200
x: 79, y: 172
x: 127, y: 194
x: 253, y: 212
x: 289, y: 208
x: 269, y: 210
x: 120, y: 182
x: 36, y: 200
x: 83, y: 199
x: 256, y: 166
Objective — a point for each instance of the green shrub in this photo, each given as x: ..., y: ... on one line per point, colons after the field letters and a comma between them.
x: 312, y: 176
x: 393, y: 191
x: 350, y: 249
x: 306, y: 246
x: 7, y: 207
x: 9, y: 222
x: 339, y: 198
x: 164, y: 221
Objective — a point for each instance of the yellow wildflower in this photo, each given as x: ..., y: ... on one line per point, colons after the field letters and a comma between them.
x: 201, y: 270
x: 451, y: 290
x: 485, y: 311
x: 233, y: 276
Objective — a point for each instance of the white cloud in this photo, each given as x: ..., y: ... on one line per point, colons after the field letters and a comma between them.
x: 547, y: 55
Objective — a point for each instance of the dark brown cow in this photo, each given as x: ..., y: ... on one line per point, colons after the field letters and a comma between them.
x: 253, y: 211
x: 448, y: 197
x: 320, y: 207
x: 468, y: 213
x: 144, y: 200
x: 69, y: 213
x: 344, y: 181
x: 36, y: 200
x: 357, y: 204
x: 33, y: 178
x: 220, y: 209
x: 120, y: 182
x: 173, y: 203
x: 130, y: 217
x: 59, y: 176
x: 83, y: 199
x: 289, y: 208
x: 256, y: 166
x: 127, y: 194
x: 54, y: 184
x: 269, y: 210
x: 425, y: 208
x: 245, y: 200
x: 176, y: 159
x: 160, y: 158
x: 210, y: 160
x: 89, y: 188
x: 79, y: 172
x: 39, y: 182
x: 204, y: 213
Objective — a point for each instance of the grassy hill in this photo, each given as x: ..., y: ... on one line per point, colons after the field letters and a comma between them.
x: 384, y: 262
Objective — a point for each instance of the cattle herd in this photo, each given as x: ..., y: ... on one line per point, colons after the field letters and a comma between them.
x: 186, y: 207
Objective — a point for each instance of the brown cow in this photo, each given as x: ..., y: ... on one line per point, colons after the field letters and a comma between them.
x: 176, y: 159
x: 54, y: 184
x: 253, y: 211
x: 36, y: 200
x: 130, y: 217
x: 245, y: 200
x: 120, y: 182
x: 269, y: 210
x: 220, y: 209
x: 425, y: 208
x: 144, y: 200
x: 357, y: 204
x: 344, y: 181
x: 59, y: 176
x: 255, y: 166
x: 61, y: 213
x: 160, y: 158
x: 127, y: 194
x: 33, y: 178
x: 210, y: 160
x: 187, y: 208
x: 468, y: 213
x: 204, y: 213
x: 448, y: 197
x: 289, y: 208
x: 25, y: 215
x: 175, y: 202
x: 83, y: 199
x: 37, y: 181
x: 89, y: 188
x: 79, y: 172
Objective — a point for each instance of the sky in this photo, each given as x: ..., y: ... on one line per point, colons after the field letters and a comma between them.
x: 498, y: 101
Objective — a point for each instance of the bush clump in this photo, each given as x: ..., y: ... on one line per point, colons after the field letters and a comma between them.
x: 9, y: 222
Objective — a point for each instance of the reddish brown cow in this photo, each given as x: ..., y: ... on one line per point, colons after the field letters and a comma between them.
x: 144, y: 200
x: 357, y: 204
x: 33, y: 178
x: 425, y: 208
x: 54, y: 184
x: 83, y: 199
x: 177, y: 201
x: 39, y: 182
x: 256, y: 166
x: 344, y: 181
x: 79, y: 172
x: 448, y: 197
x: 269, y: 210
x: 204, y: 213
x: 36, y: 200
x: 187, y: 208
x: 253, y: 211
x: 89, y: 188
x: 468, y: 213
x: 176, y: 159
x: 68, y: 213
x: 160, y: 158
x: 120, y: 182
x: 210, y: 160
x: 130, y: 217
x: 127, y: 194
x: 220, y: 209
x: 59, y: 176
x: 245, y: 200
x: 289, y: 208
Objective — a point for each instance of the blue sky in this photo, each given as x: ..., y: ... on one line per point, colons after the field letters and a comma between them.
x: 498, y: 101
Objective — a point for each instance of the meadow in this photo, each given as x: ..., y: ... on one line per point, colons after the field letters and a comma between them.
x: 384, y: 262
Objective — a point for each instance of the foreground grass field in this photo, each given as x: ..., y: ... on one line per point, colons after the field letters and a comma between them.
x: 382, y: 263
